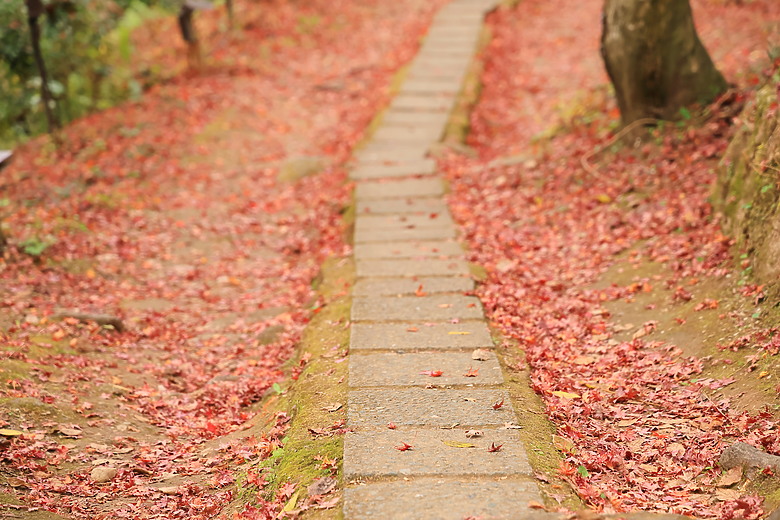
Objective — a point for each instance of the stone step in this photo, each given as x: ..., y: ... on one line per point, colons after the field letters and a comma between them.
x: 391, y: 189
x: 372, y: 170
x: 435, y: 498
x: 436, y: 307
x: 403, y: 204
x: 420, y: 233
x: 471, y: 408
x: 403, y: 220
x: 412, y: 267
x: 374, y: 454
x: 408, y: 249
x: 397, y: 286
x: 409, y: 369
x: 429, y: 335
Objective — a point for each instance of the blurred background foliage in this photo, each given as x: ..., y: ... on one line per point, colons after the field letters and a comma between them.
x: 87, y: 46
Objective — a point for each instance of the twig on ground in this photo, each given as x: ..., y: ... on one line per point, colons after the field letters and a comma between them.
x: 100, y: 319
x: 612, y: 140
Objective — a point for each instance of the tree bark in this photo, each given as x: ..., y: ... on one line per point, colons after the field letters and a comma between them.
x: 655, y: 59
x: 35, y: 9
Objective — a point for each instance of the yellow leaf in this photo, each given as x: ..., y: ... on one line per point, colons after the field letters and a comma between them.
x: 10, y: 433
x: 563, y: 444
x: 458, y: 332
x: 566, y: 395
x: 584, y: 360
x: 603, y: 198
x: 456, y: 444
x: 290, y: 504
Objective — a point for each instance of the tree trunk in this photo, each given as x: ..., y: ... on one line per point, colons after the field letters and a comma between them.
x: 35, y: 9
x: 229, y: 6
x: 655, y: 58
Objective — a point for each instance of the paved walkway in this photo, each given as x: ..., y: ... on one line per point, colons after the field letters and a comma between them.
x: 410, y: 317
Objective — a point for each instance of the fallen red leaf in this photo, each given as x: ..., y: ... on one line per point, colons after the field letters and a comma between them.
x: 471, y: 372
x: 404, y: 447
x: 432, y: 373
x: 495, y: 447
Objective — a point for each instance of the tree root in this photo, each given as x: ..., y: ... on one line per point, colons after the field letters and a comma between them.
x: 100, y: 319
x: 745, y: 455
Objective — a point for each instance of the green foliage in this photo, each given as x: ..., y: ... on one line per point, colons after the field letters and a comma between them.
x: 35, y: 246
x: 85, y: 44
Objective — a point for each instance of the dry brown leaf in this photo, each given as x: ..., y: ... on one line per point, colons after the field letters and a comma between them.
x: 322, y: 486
x: 676, y: 449
x: 724, y: 495
x: 563, y: 444
x: 67, y: 431
x: 328, y: 504
x: 584, y: 360
x: 730, y: 477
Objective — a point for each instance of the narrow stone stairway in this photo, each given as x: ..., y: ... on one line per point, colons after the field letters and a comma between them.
x: 428, y: 412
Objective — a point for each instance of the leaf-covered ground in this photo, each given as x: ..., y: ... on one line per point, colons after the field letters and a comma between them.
x: 200, y: 216
x: 549, y: 207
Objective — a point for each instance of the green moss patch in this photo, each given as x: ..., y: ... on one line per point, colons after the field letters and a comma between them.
x: 316, y: 400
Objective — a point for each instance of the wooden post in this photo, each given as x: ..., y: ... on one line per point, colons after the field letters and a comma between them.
x: 188, y: 32
x: 5, y: 160
x: 34, y: 11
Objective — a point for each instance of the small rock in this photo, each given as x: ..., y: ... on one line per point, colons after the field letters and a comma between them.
x: 322, y: 486
x: 480, y: 354
x: 299, y: 167
x: 102, y: 474
x: 333, y: 407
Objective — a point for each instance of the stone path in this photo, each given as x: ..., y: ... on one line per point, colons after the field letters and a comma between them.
x: 410, y: 315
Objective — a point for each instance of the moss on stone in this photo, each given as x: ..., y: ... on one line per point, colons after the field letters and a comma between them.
x: 746, y: 191
x: 312, y: 399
